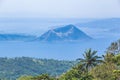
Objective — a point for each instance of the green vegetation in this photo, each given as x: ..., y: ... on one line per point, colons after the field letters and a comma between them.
x: 12, y: 68
x: 90, y: 59
x: 106, y: 68
x: 90, y: 67
x: 41, y: 77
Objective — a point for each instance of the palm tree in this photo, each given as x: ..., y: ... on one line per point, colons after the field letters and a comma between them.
x: 114, y: 48
x: 90, y: 59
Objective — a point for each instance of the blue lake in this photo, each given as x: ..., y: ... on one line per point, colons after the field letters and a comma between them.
x: 61, y: 51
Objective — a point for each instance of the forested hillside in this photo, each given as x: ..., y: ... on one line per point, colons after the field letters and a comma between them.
x: 12, y: 68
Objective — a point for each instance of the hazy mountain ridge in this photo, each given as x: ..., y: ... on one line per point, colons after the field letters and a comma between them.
x: 16, y: 37
x: 66, y: 33
x: 99, y: 28
x: 102, y: 28
x: 102, y: 23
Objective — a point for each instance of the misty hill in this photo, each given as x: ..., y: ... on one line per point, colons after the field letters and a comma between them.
x: 16, y: 37
x: 102, y: 23
x: 12, y: 68
x: 102, y: 28
x: 66, y: 33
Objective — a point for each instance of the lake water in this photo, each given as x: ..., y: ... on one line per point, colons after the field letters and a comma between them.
x: 61, y: 51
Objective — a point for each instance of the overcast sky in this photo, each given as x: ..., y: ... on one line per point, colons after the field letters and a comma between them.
x: 60, y: 8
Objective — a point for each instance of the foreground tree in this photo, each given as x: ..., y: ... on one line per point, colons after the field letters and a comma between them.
x: 90, y: 59
x: 114, y: 48
x: 109, y: 58
x: 116, y: 74
x: 81, y: 70
x: 103, y: 72
x: 109, y: 70
x: 76, y: 73
x: 43, y: 77
x: 25, y: 78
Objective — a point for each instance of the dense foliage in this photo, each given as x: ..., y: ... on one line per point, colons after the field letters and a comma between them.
x: 12, y: 68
